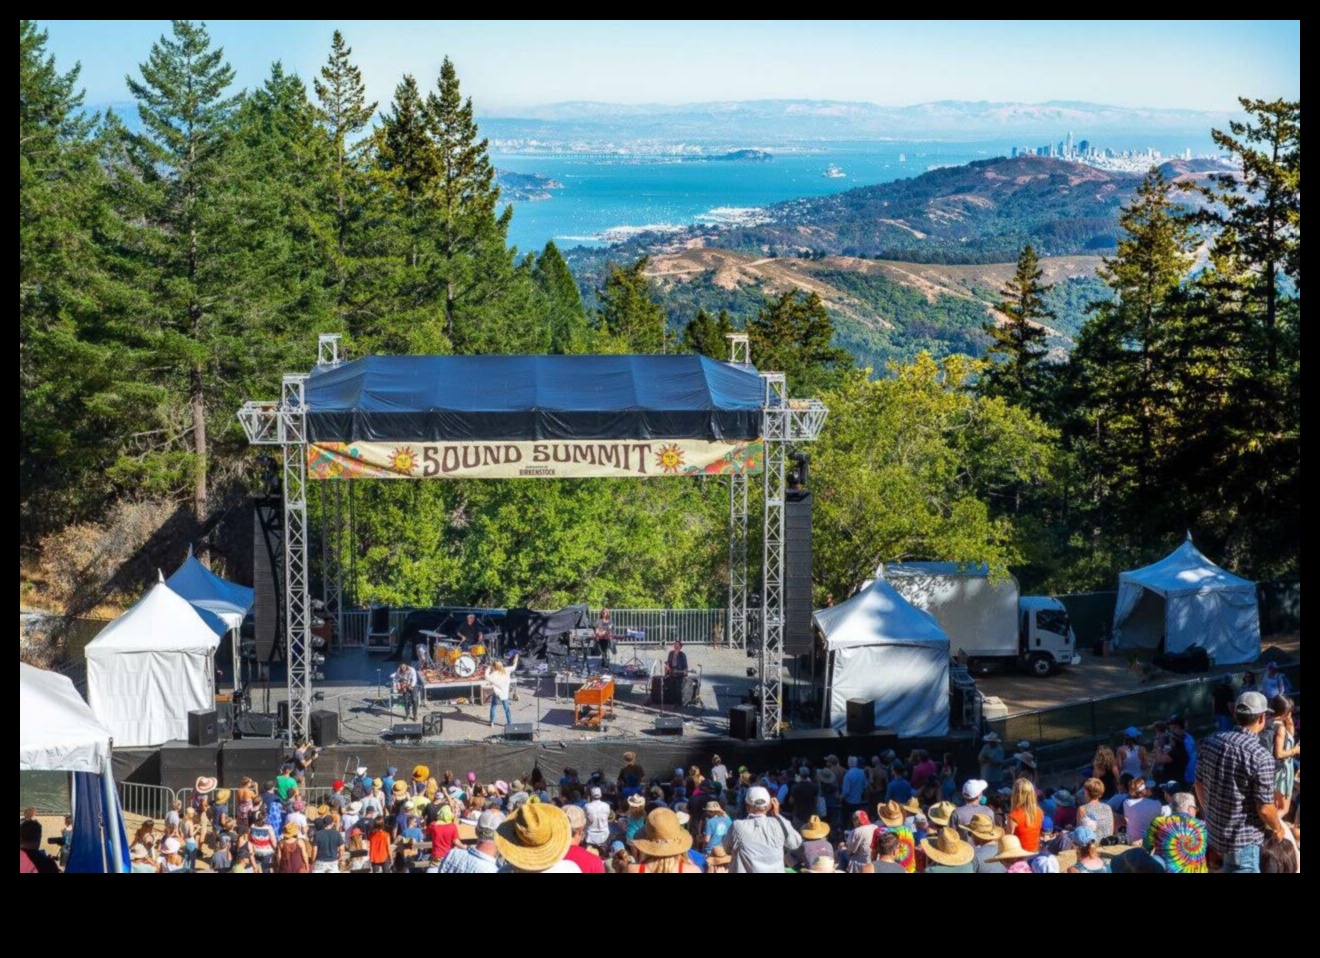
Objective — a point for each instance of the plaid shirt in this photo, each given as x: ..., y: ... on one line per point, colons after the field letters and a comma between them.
x: 1237, y: 774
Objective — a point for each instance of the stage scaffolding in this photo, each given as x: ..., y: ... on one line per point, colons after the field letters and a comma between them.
x: 785, y: 423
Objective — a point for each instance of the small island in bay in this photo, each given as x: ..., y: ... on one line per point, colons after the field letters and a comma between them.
x: 526, y: 187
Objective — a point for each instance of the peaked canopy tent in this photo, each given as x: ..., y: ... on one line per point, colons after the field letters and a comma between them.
x: 152, y: 666
x: 227, y: 601
x: 58, y: 732
x: 533, y: 417
x: 1185, y: 600
x: 882, y: 647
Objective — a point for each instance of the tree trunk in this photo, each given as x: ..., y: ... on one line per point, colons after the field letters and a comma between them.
x: 200, y: 452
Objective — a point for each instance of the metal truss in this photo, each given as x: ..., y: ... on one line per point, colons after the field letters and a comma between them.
x: 740, y: 349
x: 332, y: 552
x: 776, y: 433
x: 737, y: 616
x: 297, y: 603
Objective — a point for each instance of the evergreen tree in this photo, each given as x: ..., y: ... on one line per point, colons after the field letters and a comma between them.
x: 629, y: 319
x: 566, y: 318
x: 1017, y: 345
x: 706, y: 334
x: 793, y: 334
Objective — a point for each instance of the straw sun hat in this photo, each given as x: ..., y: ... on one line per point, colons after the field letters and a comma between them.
x: 664, y: 836
x: 948, y: 848
x: 535, y: 837
x: 891, y: 814
x: 815, y: 828
x: 1010, y: 849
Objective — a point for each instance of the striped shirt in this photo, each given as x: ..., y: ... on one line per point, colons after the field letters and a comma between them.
x: 1237, y: 774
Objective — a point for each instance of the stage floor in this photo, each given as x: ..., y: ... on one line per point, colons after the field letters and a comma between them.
x: 356, y: 688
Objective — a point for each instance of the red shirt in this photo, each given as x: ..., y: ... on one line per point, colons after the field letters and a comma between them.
x: 589, y: 863
x: 442, y: 839
x: 380, y: 848
x: 1027, y: 829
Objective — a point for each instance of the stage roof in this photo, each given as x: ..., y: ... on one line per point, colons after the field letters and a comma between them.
x: 477, y: 398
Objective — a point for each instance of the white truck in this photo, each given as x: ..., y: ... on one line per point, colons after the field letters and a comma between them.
x: 986, y: 619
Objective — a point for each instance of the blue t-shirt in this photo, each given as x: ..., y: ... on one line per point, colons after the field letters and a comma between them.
x: 715, y: 830
x: 635, y: 827
x: 900, y: 790
x: 854, y: 786
x: 697, y: 858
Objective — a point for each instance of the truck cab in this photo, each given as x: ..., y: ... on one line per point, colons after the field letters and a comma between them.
x: 1045, y: 636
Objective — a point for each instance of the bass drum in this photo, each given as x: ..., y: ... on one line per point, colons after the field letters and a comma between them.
x: 465, y: 666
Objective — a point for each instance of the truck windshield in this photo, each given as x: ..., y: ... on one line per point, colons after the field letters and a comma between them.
x: 1052, y: 620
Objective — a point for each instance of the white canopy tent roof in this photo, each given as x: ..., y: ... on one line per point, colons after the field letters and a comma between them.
x: 227, y: 600
x: 57, y: 730
x: 1185, y: 600
x: 150, y: 667
x: 883, y: 648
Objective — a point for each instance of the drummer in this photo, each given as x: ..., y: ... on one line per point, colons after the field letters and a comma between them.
x: 470, y: 632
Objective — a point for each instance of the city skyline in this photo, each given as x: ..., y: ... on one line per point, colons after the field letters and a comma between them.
x: 511, y: 65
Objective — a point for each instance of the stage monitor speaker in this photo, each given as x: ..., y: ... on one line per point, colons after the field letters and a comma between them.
x: 798, y: 605
x: 861, y: 716
x: 257, y: 758
x: 742, y: 722
x: 268, y: 578
x: 669, y: 725
x: 325, y: 728
x: 203, y: 728
x: 674, y: 689
x: 405, y: 731
x: 182, y: 763
x: 518, y: 732
x: 256, y: 725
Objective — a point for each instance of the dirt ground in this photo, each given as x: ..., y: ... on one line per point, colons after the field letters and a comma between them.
x: 1100, y: 677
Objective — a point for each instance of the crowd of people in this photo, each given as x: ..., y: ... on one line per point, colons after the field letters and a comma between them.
x: 1162, y: 802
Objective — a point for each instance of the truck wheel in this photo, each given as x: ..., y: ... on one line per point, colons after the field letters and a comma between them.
x: 1041, y: 665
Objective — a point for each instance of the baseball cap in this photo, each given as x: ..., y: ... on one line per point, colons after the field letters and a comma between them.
x: 577, y: 818
x: 974, y: 788
x: 1083, y: 836
x: 488, y: 821
x: 1251, y: 703
x: 758, y: 797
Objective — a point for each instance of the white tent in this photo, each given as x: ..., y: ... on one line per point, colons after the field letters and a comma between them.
x: 150, y: 667
x: 1185, y: 600
x: 204, y: 589
x: 882, y: 647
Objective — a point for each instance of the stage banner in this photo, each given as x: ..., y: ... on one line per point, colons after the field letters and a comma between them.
x: 604, y: 459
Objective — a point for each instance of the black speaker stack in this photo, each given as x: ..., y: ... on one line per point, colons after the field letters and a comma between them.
x: 203, y: 729
x: 861, y: 716
x: 325, y: 728
x: 669, y: 725
x: 798, y: 604
x: 674, y: 689
x: 742, y: 722
x: 182, y: 763
x: 518, y: 732
x: 257, y: 758
x: 268, y: 577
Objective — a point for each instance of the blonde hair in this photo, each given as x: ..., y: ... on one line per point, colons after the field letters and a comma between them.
x: 1137, y: 788
x: 669, y: 865
x: 1094, y: 788
x: 1024, y: 797
x: 497, y: 667
x: 1104, y: 760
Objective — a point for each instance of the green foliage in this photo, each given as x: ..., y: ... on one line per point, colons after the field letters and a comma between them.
x: 629, y: 318
x: 707, y: 334
x: 565, y: 316
x: 793, y: 334
x: 1017, y: 345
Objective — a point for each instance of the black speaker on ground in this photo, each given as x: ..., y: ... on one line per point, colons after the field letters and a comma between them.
x: 798, y: 605
x: 669, y: 725
x: 518, y: 732
x: 257, y: 758
x: 861, y: 716
x: 202, y: 727
x: 182, y: 763
x: 268, y: 577
x: 404, y: 732
x: 254, y: 725
x: 742, y: 722
x: 325, y: 728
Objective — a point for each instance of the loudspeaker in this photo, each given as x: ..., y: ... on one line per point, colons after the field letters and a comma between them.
x: 282, y: 715
x: 673, y: 689
x: 224, y: 720
x: 405, y: 730
x: 742, y: 722
x: 798, y: 604
x: 861, y: 716
x: 257, y: 758
x: 254, y: 725
x: 325, y: 728
x: 182, y: 763
x: 268, y: 578
x: 518, y: 732
x: 669, y: 725
x: 202, y: 727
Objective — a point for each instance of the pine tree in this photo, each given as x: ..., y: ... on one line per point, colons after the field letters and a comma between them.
x: 793, y: 334
x: 629, y: 319
x: 1017, y: 344
x: 707, y: 335
x: 566, y: 318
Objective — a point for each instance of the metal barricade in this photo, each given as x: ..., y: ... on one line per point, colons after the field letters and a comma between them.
x: 663, y: 626
x: 149, y: 801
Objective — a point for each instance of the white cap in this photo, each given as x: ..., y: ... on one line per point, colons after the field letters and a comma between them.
x: 974, y: 788
x: 758, y: 797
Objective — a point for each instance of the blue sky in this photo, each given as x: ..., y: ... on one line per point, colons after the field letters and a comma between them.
x: 507, y: 64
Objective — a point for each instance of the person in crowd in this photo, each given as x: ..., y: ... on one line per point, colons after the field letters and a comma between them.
x: 190, y: 834
x: 759, y: 842
x: 407, y: 683
x: 146, y: 837
x: 1182, y: 752
x: 479, y: 858
x: 663, y: 846
x: 859, y: 842
x: 1222, y: 696
x: 327, y: 847
x: 1178, y: 839
x: 1132, y: 758
x: 924, y: 769
x: 1275, y: 683
x: 885, y: 856
x: 292, y: 854
x: 297, y: 815
x: 802, y: 797
x: 991, y: 760
x: 1095, y: 808
x: 716, y: 826
x: 1235, y: 788
x: 894, y: 821
x: 1025, y: 818
x: 1278, y: 857
x: 171, y: 856
x: 900, y: 786
x: 1104, y: 768
x: 534, y: 839
x: 500, y: 680
x: 285, y: 784
x: 1139, y: 810
x: 983, y: 835
x: 719, y: 772
x: 1284, y: 746
x: 636, y: 817
x: 852, y: 793
x: 140, y: 861
x: 1089, y: 862
x: 264, y: 839
x: 631, y: 775
x: 1065, y: 809
x: 1011, y: 854
x: 359, y: 852
x: 1024, y: 766
x: 973, y: 795
x: 877, y: 778
x: 815, y: 840
x: 222, y: 859
x: 32, y: 858
x: 174, y: 817
x: 948, y: 853
x: 587, y: 862
x: 379, y: 847
x: 597, y: 812
x: 443, y: 832
x: 718, y: 861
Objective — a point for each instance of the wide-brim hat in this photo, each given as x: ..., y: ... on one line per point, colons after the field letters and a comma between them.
x: 718, y: 856
x: 1025, y: 758
x: 826, y: 776
x: 354, y: 808
x: 912, y: 806
x: 377, y: 783
x: 940, y: 813
x: 664, y: 836
x: 948, y: 849
x: 222, y: 796
x: 400, y: 788
x: 992, y: 737
x: 891, y: 814
x: 421, y: 773
x: 1065, y: 798
x: 204, y: 785
x: 138, y: 851
x: 815, y: 828
x: 534, y: 837
x: 715, y: 807
x: 1010, y: 849
x: 636, y: 801
x: 629, y: 757
x: 322, y: 810
x: 290, y: 829
x: 983, y: 828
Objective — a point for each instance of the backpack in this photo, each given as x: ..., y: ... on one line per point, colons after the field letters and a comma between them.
x: 1266, y: 738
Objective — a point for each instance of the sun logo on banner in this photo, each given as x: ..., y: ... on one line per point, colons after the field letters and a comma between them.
x: 669, y: 459
x: 403, y: 460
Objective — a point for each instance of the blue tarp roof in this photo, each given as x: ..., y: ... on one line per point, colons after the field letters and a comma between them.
x: 476, y: 398
x: 210, y: 594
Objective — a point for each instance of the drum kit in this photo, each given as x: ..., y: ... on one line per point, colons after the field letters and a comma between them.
x: 451, y: 660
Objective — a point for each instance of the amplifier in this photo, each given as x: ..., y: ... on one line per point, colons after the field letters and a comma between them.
x: 518, y: 732
x: 742, y: 722
x: 669, y: 725
x: 404, y: 731
x: 203, y: 728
